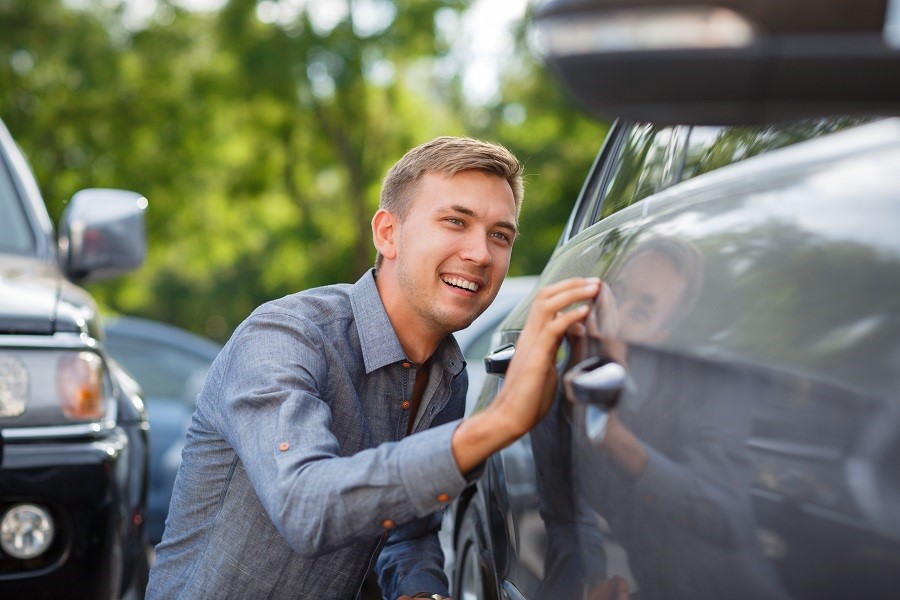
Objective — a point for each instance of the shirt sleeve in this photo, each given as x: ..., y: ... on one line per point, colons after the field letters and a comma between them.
x: 412, y: 560
x: 272, y: 412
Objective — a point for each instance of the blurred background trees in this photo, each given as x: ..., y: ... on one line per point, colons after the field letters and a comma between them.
x: 260, y: 130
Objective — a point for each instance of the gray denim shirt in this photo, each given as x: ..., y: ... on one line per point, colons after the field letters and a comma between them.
x: 297, y: 469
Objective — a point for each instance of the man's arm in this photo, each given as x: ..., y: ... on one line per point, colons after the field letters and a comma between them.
x: 270, y: 411
x: 530, y: 382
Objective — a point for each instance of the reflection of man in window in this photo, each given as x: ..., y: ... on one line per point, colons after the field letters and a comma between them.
x: 649, y: 293
x: 670, y: 476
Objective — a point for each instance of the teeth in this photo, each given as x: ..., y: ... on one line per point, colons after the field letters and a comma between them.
x: 462, y: 283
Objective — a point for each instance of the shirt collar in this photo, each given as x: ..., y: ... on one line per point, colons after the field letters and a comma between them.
x: 378, y: 340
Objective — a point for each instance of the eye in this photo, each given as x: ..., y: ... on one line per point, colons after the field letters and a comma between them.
x: 455, y: 221
x: 502, y: 236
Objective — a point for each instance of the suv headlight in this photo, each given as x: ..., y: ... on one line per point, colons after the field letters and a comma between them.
x: 13, y: 386
x: 26, y: 531
x: 43, y: 388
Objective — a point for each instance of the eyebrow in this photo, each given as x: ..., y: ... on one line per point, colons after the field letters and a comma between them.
x: 471, y: 213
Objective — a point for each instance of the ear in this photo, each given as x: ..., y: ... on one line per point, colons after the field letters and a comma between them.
x: 384, y: 231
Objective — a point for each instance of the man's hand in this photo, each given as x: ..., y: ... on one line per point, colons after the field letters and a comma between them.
x: 530, y: 382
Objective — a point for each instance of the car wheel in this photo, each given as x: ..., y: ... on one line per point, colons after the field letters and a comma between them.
x: 140, y: 576
x: 474, y: 578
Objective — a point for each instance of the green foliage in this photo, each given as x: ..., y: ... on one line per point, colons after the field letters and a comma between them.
x: 260, y: 144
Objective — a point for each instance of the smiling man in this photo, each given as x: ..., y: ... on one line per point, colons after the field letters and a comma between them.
x: 327, y: 437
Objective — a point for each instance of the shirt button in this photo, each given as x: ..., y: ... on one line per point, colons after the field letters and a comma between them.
x: 284, y: 446
x: 387, y: 524
x: 407, y: 365
x: 405, y: 405
x: 443, y: 498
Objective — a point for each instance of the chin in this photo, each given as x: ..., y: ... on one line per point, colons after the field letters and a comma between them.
x: 457, y: 322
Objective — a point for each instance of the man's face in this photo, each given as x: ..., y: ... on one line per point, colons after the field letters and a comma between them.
x: 454, y: 247
x: 647, y: 291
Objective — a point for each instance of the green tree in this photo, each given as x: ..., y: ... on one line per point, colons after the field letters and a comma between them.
x: 260, y: 136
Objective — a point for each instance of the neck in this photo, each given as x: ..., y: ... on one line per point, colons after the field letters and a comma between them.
x: 417, y: 349
x: 417, y: 339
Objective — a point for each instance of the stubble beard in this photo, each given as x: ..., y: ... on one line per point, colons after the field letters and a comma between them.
x: 431, y: 313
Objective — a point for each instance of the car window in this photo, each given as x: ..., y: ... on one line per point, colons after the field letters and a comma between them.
x: 582, y: 215
x: 711, y: 148
x: 162, y: 371
x: 640, y: 170
x: 15, y: 234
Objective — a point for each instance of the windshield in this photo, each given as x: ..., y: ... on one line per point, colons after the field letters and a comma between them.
x: 15, y: 234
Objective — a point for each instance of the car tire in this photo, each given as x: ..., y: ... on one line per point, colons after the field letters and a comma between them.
x: 140, y: 576
x: 474, y: 577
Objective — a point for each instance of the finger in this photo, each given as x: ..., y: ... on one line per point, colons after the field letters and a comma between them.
x: 576, y: 331
x: 562, y: 292
x: 547, y: 331
x: 557, y: 298
x: 566, y: 285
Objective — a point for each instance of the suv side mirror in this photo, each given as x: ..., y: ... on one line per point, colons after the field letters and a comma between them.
x: 724, y: 61
x: 102, y: 234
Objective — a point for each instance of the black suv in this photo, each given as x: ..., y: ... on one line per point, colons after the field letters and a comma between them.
x: 729, y: 420
x: 73, y: 430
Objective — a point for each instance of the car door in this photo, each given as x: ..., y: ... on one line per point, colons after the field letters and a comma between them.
x: 636, y: 161
x: 748, y: 343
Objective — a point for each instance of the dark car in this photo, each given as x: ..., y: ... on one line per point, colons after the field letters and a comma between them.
x: 170, y: 364
x: 729, y: 422
x: 73, y: 430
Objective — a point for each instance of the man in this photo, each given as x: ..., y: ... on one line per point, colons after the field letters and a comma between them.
x: 327, y: 435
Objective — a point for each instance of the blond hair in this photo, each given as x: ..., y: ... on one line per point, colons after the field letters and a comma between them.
x: 447, y: 156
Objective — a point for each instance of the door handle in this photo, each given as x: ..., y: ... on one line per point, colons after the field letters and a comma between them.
x: 597, y: 383
x: 497, y: 361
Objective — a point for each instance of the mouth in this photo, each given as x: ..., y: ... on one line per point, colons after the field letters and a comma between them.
x: 460, y: 283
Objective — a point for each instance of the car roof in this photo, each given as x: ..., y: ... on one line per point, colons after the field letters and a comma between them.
x: 162, y: 333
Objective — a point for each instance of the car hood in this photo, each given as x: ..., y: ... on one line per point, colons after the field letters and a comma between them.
x: 36, y: 300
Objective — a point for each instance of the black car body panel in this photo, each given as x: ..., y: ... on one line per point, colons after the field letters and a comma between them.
x: 724, y: 61
x: 756, y: 311
x: 84, y: 464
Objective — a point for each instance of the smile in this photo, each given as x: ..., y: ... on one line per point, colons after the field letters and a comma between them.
x: 461, y: 283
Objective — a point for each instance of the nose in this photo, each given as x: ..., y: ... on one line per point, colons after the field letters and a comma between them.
x: 476, y: 249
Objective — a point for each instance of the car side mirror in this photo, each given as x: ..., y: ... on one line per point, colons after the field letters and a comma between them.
x: 102, y: 234
x: 724, y: 61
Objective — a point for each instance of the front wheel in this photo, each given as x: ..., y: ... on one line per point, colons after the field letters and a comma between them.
x: 474, y: 578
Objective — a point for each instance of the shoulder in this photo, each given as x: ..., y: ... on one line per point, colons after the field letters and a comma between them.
x: 316, y: 307
x: 307, y: 317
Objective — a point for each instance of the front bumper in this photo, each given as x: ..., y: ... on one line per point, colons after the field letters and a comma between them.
x: 85, y: 486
